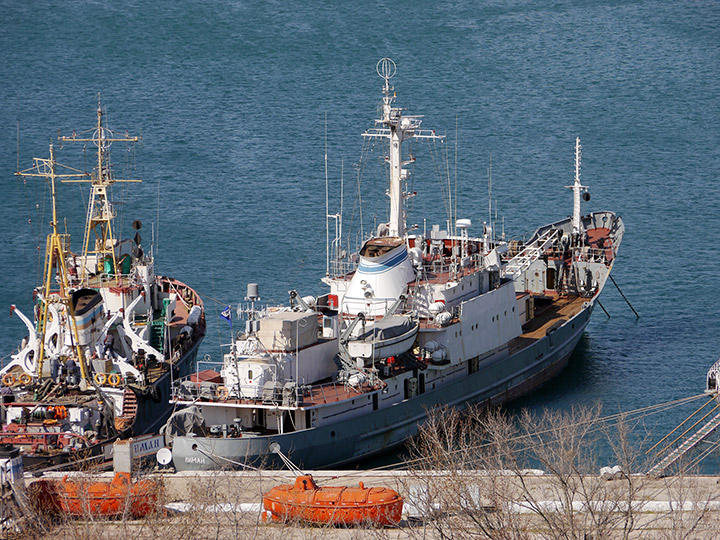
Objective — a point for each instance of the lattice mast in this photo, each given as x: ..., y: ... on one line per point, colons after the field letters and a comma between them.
x: 99, y: 240
x: 56, y: 282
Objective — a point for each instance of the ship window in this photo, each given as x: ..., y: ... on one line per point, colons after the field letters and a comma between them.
x: 332, y: 433
x: 250, y: 374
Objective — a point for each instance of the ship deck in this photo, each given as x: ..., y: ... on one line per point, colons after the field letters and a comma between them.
x: 558, y: 311
x: 317, y: 395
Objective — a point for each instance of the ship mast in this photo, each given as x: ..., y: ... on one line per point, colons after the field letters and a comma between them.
x: 577, y: 188
x: 398, y: 128
x: 56, y: 250
x: 98, y: 240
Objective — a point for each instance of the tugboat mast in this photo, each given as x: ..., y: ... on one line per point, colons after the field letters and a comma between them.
x: 56, y: 249
x: 100, y: 212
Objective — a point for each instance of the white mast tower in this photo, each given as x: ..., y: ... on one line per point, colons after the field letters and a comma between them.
x: 398, y: 128
x: 577, y: 188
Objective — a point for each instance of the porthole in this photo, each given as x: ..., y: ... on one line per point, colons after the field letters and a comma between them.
x: 332, y: 433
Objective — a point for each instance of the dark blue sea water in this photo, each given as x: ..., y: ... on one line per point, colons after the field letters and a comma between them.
x: 231, y: 99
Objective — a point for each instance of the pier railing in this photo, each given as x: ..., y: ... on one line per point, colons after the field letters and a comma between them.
x: 713, y: 379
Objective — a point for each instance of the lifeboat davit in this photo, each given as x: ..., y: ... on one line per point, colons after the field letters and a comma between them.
x: 84, y: 496
x: 305, y: 501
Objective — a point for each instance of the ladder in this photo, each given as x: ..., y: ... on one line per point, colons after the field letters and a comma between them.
x: 568, y: 282
x: 129, y: 408
x: 157, y: 335
x: 532, y: 252
x: 685, y: 447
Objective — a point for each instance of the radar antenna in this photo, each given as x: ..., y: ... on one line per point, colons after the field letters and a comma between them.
x: 386, y: 69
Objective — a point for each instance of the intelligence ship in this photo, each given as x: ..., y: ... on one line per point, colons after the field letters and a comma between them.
x: 411, y: 322
x: 107, y: 335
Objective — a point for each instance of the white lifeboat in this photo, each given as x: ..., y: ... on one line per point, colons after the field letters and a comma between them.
x: 390, y: 336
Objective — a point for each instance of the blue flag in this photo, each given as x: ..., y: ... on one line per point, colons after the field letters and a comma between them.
x: 227, y: 315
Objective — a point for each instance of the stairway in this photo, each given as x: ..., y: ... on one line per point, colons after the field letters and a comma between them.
x: 568, y: 283
x: 157, y: 335
x: 685, y: 447
x: 522, y: 261
x: 129, y: 403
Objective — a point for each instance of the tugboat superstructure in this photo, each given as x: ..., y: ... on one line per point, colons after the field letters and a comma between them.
x: 107, y: 335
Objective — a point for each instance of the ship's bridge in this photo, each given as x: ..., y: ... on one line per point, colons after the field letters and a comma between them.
x: 382, y: 275
x: 377, y: 247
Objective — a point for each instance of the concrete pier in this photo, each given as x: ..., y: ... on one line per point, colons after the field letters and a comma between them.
x: 229, y: 505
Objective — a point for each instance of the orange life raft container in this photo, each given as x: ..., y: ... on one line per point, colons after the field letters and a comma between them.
x: 333, y: 505
x: 82, y: 497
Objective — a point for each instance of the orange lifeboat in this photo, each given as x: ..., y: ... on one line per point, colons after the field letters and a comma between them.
x: 344, y: 505
x: 82, y: 497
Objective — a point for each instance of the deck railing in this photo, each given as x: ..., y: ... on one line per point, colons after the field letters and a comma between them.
x: 187, y: 389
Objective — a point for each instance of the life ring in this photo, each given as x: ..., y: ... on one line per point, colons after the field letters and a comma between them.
x: 222, y: 392
x: 8, y: 379
x: 25, y: 378
x: 100, y: 379
x: 114, y: 379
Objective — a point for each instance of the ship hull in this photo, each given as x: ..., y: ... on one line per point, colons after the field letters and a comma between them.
x: 348, y: 441
x: 151, y: 414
